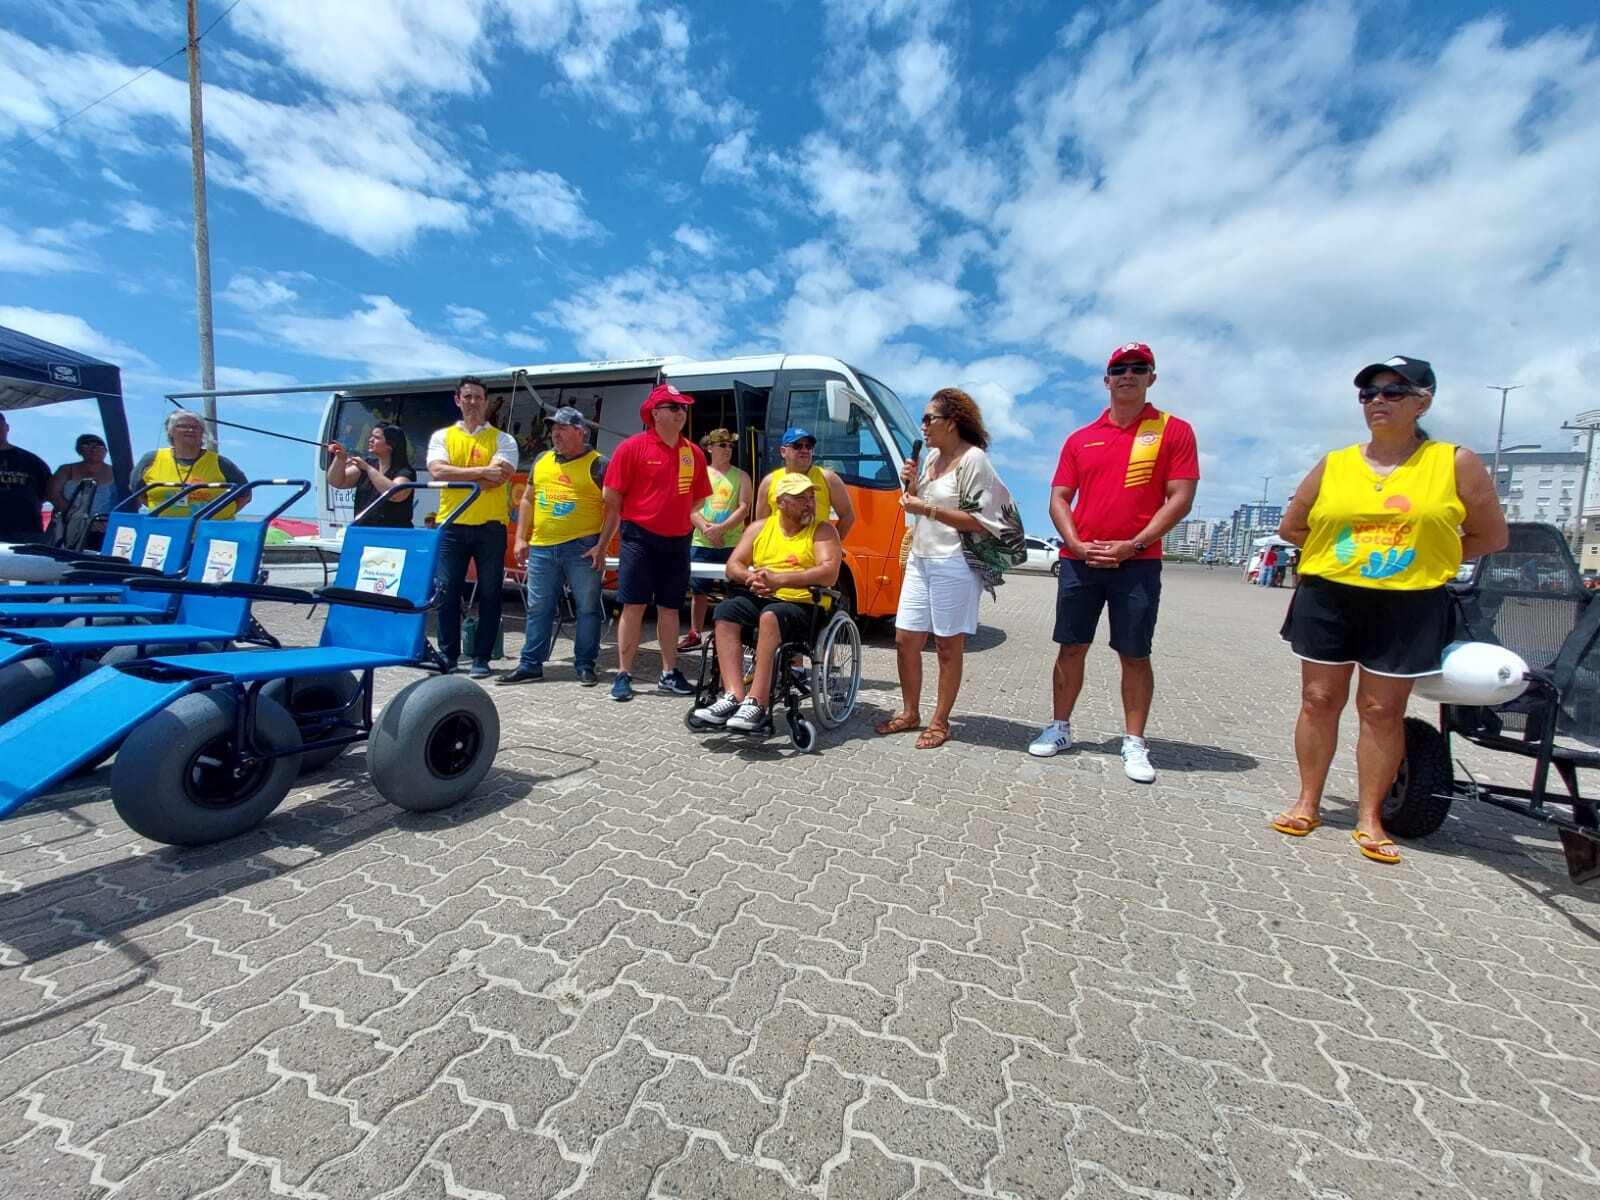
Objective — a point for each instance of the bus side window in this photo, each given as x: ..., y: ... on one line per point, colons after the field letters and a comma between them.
x: 851, y: 447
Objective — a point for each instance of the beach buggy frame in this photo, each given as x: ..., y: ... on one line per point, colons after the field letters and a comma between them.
x: 208, y: 753
x: 1529, y: 598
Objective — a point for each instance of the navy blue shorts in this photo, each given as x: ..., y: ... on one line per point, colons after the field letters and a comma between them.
x: 652, y: 569
x: 1131, y: 593
x: 709, y: 554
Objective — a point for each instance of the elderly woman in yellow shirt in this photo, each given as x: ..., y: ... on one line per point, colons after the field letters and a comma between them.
x: 1383, y: 526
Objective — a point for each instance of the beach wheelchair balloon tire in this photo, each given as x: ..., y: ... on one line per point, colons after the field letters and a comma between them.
x: 433, y: 743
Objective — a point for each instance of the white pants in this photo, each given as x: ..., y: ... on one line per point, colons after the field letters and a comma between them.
x: 939, y: 596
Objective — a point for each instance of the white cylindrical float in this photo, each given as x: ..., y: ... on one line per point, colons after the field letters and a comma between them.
x: 1475, y: 673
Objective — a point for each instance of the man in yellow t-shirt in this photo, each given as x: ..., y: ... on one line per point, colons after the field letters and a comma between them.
x: 558, y: 523
x: 472, y: 451
x: 778, y: 560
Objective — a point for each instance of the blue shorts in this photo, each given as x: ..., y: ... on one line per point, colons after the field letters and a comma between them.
x: 652, y: 569
x: 709, y: 554
x: 1131, y: 593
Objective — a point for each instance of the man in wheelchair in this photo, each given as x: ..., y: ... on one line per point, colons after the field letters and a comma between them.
x: 778, y: 561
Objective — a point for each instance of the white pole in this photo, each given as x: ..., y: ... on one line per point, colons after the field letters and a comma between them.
x: 202, y: 236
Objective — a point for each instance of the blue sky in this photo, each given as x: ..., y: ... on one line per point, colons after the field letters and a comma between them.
x: 991, y: 196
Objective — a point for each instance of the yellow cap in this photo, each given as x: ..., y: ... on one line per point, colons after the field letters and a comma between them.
x: 793, y: 483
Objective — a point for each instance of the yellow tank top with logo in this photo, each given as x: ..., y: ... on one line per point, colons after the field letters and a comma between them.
x: 776, y: 551
x: 164, y: 468
x: 566, y: 502
x: 723, y: 500
x: 1395, y: 532
x: 465, y: 449
x: 818, y: 479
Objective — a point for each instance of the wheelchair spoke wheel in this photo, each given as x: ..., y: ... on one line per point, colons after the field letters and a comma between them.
x: 836, y: 672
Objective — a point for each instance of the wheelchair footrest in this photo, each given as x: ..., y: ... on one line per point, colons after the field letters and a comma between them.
x: 1583, y: 856
x: 77, y: 725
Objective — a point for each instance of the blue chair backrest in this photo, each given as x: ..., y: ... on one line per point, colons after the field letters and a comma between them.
x: 385, y: 562
x: 224, y: 552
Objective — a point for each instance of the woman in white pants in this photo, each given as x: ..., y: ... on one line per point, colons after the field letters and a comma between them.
x: 956, y: 491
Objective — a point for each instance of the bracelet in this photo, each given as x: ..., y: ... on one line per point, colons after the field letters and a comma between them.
x: 933, y: 513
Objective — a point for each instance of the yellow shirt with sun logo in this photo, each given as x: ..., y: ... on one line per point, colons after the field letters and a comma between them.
x: 566, y: 502
x: 1398, y: 532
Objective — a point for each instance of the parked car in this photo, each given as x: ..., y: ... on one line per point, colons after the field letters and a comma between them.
x: 1042, y: 556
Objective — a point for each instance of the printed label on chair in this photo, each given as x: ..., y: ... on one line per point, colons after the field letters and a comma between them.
x: 155, y: 551
x: 122, y: 544
x: 221, y: 559
x: 381, y: 567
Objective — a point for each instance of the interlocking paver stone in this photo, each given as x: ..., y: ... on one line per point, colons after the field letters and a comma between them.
x: 639, y: 965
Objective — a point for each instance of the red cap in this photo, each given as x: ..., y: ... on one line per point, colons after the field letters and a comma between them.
x: 1137, y: 351
x: 662, y: 393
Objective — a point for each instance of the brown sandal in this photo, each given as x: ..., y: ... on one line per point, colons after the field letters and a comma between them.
x: 899, y: 723
x: 933, y: 737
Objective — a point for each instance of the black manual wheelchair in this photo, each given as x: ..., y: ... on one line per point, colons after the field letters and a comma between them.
x: 831, y: 680
x: 1530, y: 599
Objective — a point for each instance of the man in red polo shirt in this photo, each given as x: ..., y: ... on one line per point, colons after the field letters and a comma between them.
x: 653, y: 482
x: 1122, y: 483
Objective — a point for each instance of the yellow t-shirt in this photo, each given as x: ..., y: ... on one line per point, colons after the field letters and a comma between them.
x: 205, y: 469
x: 778, y: 552
x: 566, y: 502
x: 1397, y: 532
x: 465, y: 449
x: 723, y: 500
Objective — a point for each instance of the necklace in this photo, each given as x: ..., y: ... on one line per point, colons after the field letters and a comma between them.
x: 1393, y: 467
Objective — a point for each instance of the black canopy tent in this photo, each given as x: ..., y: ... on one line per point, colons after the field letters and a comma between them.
x: 35, y: 373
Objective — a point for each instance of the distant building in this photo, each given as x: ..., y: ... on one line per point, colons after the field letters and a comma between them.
x: 1249, y: 522
x: 1188, y: 539
x: 1539, y: 485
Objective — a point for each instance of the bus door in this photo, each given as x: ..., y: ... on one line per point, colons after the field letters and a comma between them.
x: 851, y: 443
x: 750, y: 422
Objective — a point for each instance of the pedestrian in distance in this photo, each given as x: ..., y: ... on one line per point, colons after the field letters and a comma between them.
x: 472, y: 451
x: 1122, y: 482
x: 718, y: 525
x: 70, y: 478
x: 1383, y: 526
x: 387, y: 462
x: 955, y: 498
x: 24, y: 480
x: 558, y: 527
x: 653, y: 482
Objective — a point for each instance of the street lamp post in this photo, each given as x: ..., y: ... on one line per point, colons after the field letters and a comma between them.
x: 1500, y: 430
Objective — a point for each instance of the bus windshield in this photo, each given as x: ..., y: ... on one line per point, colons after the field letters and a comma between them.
x: 894, y: 413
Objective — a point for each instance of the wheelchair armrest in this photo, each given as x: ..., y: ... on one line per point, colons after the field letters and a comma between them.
x: 818, y: 592
x: 231, y: 590
x: 344, y: 595
x: 55, y: 553
x: 109, y: 572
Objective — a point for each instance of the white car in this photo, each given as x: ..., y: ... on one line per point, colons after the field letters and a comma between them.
x: 1042, y: 556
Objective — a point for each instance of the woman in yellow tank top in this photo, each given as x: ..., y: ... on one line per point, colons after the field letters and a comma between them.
x: 1383, y: 526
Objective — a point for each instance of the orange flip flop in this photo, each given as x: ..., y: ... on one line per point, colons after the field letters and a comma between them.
x: 1374, y: 849
x: 1295, y: 826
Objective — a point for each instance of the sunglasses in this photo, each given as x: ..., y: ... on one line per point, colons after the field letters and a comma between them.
x: 1129, y: 369
x: 930, y: 418
x: 672, y: 408
x: 802, y: 445
x: 1389, y: 391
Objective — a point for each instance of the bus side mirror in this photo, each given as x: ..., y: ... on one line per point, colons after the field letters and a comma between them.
x: 840, y: 399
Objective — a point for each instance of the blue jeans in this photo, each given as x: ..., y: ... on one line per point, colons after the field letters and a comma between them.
x: 484, y: 545
x: 548, y: 568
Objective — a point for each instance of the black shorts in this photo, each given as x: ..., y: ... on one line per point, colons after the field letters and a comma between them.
x: 652, y: 569
x: 1131, y: 593
x: 709, y: 554
x: 1382, y: 630
x: 745, y: 609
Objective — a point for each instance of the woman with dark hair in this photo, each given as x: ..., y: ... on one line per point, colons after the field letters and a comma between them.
x: 961, y: 509
x: 386, y: 463
x: 69, y: 478
x: 1383, y: 526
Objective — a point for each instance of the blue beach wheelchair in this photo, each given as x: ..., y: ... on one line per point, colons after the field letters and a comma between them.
x: 207, y: 752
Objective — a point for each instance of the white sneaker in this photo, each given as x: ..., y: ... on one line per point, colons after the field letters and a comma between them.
x: 1136, y: 760
x: 718, y: 711
x: 1056, y: 737
x: 749, y: 718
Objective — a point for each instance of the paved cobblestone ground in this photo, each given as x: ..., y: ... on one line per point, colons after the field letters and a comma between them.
x: 638, y: 965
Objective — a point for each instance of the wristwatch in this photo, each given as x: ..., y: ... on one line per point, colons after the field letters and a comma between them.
x: 1138, y: 547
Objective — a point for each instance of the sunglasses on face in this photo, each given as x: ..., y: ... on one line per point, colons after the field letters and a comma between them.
x: 930, y: 418
x: 672, y: 408
x: 808, y: 447
x: 1129, y: 369
x: 1389, y: 391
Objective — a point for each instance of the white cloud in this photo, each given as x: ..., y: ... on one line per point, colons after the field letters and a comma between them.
x: 871, y: 202
x: 543, y: 203
x: 641, y: 312
x: 702, y: 242
x: 922, y: 72
x: 257, y: 291
x: 519, y: 340
x: 31, y: 254
x: 381, y: 337
x: 73, y: 332
x: 144, y: 218
x: 463, y: 318
x: 115, y: 180
x: 730, y: 158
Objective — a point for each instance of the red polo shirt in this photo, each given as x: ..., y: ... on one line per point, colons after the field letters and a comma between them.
x: 660, y: 484
x: 1114, y: 498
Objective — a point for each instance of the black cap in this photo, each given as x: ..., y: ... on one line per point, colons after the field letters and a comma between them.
x: 1414, y: 371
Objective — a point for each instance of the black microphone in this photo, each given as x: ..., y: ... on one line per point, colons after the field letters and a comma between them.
x: 916, y: 453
